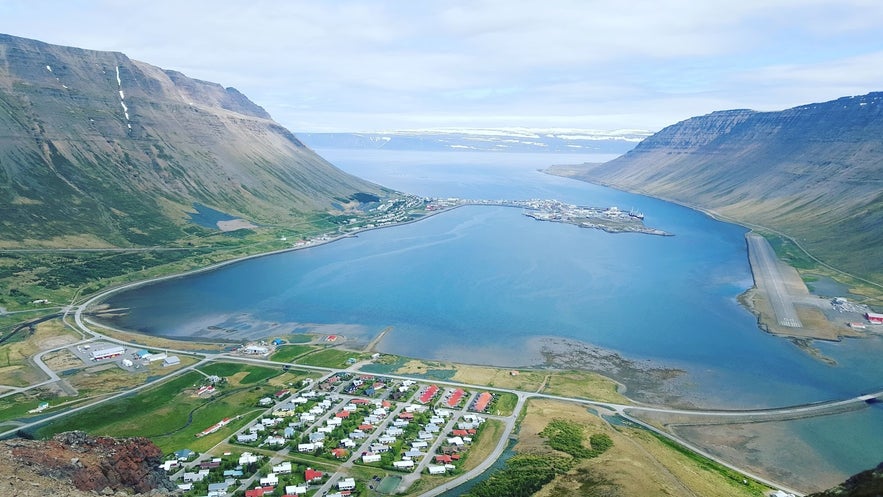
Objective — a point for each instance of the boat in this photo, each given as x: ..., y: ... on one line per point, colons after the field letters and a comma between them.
x: 636, y: 214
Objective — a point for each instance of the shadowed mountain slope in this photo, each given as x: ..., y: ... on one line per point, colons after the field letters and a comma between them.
x: 814, y: 172
x: 98, y: 149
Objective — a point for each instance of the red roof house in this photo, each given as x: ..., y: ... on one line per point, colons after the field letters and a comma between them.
x: 483, y: 400
x: 428, y: 394
x: 312, y: 475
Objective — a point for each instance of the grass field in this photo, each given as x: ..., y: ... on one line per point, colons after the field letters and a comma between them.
x: 479, y: 451
x: 288, y: 353
x: 504, y: 404
x: 584, y: 384
x: 638, y: 463
x: 240, y: 374
x: 331, y: 358
x: 171, y: 415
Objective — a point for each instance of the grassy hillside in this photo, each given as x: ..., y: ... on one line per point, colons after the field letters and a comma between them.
x: 814, y: 173
x: 100, y: 150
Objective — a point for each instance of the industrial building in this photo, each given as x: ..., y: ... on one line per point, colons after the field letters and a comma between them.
x: 107, y: 353
x: 874, y: 318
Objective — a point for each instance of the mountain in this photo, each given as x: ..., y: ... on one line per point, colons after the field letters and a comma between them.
x: 97, y: 149
x: 813, y: 172
x: 558, y: 140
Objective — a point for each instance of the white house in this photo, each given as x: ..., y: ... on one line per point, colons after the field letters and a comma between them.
x: 247, y: 458
x: 436, y: 470
x: 282, y: 468
x: 270, y: 480
x: 403, y: 464
x: 370, y: 457
x: 296, y: 489
x: 307, y: 447
x: 247, y: 437
x: 346, y: 484
x: 455, y: 441
x: 275, y: 440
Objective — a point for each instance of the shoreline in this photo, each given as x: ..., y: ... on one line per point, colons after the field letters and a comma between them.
x: 98, y: 297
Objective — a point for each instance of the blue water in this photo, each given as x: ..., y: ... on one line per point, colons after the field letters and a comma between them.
x: 480, y: 284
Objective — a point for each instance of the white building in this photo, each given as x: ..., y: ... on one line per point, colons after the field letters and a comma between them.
x: 346, y: 484
x: 171, y: 360
x: 296, y: 489
x: 370, y: 457
x: 107, y: 353
x: 270, y: 480
x: 282, y: 468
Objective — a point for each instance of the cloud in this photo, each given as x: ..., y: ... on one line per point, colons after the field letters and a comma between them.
x: 320, y: 65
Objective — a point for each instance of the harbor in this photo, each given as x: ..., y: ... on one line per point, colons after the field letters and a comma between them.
x: 610, y: 219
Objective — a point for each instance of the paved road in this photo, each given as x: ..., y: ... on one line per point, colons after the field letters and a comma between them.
x: 790, y: 412
x: 767, y: 276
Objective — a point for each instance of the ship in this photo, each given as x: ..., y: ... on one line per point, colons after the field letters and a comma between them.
x: 636, y: 214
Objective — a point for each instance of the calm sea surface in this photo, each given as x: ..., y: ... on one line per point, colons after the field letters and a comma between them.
x: 477, y: 284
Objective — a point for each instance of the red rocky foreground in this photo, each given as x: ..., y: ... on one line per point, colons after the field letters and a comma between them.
x: 74, y: 464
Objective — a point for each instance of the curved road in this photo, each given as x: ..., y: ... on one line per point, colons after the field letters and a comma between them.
x: 624, y: 410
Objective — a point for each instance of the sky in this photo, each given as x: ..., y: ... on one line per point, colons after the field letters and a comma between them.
x: 396, y: 65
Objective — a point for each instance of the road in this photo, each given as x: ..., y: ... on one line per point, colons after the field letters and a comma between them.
x: 768, y: 278
x: 627, y: 411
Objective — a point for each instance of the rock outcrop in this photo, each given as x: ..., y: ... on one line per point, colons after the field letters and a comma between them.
x: 75, y: 464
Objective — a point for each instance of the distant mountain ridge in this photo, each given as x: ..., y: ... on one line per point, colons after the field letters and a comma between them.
x: 814, y: 172
x: 97, y: 149
x: 559, y: 140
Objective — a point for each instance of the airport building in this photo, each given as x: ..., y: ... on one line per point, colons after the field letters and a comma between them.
x: 107, y: 353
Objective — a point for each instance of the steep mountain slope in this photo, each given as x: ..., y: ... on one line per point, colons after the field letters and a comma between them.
x: 101, y: 149
x: 814, y: 172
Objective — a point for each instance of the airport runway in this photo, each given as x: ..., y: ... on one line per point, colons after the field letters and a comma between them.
x: 768, y: 278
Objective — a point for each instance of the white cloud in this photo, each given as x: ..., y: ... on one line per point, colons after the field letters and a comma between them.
x: 602, y: 64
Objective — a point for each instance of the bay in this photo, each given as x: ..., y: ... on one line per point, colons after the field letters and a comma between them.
x: 483, y: 284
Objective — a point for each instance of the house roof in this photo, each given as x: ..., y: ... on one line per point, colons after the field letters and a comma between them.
x: 312, y: 474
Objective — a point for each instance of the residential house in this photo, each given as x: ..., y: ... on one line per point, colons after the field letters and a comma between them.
x: 311, y: 475
x: 282, y: 468
x: 245, y: 438
x: 370, y: 457
x: 346, y: 484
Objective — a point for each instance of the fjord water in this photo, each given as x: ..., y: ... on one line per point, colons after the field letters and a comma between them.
x: 481, y: 284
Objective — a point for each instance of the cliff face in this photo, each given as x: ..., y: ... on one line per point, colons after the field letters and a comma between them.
x: 814, y: 172
x: 865, y: 484
x: 88, y: 464
x: 109, y: 150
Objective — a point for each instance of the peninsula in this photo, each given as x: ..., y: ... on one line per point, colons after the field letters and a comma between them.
x: 609, y: 219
